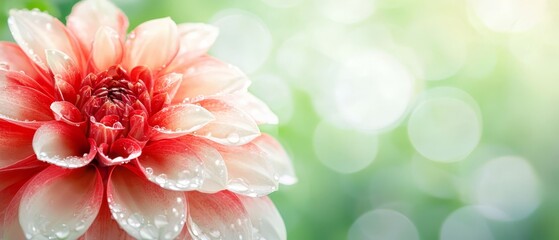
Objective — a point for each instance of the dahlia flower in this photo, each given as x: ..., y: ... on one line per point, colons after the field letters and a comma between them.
x: 113, y: 136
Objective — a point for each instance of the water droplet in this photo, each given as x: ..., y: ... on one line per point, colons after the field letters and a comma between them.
x: 79, y: 226
x: 148, y: 232
x: 215, y: 233
x: 149, y: 171
x: 135, y: 220
x: 161, y: 179
x: 62, y: 232
x: 160, y: 221
x: 233, y: 138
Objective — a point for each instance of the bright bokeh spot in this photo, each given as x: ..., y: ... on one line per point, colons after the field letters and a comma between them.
x: 466, y: 223
x: 348, y: 154
x: 347, y: 11
x: 275, y: 92
x: 372, y: 91
x: 445, y: 126
x: 383, y: 224
x: 509, y: 185
x: 244, y: 40
x: 509, y: 15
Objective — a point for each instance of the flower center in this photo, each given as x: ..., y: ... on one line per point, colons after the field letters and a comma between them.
x: 115, y: 106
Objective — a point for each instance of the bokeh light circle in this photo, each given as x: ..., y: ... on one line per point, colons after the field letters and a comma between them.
x: 347, y: 11
x: 282, y: 3
x: 275, y: 92
x: 344, y: 150
x: 509, y: 15
x: 372, y: 91
x: 466, y: 223
x: 244, y: 40
x: 508, y: 184
x: 383, y: 224
x: 446, y: 125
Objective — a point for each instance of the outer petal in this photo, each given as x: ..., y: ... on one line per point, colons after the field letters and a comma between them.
x: 143, y: 209
x: 35, y: 31
x: 179, y: 120
x: 217, y: 216
x: 152, y: 44
x: 107, y: 48
x: 63, y: 68
x: 59, y: 218
x: 89, y: 15
x: 63, y: 145
x: 253, y: 106
x: 209, y: 76
x: 24, y: 105
x: 278, y: 158
x: 184, y: 164
x: 231, y: 125
x: 104, y: 227
x: 15, y: 143
x: 13, y: 78
x: 195, y: 40
x: 265, y: 218
x: 250, y: 170
x: 14, y: 59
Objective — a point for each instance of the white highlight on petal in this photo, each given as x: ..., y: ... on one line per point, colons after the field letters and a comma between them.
x: 372, y: 91
x: 509, y: 185
x: 244, y: 40
x: 348, y: 154
x: 446, y: 125
x: 466, y: 223
x: 509, y: 15
x: 383, y: 224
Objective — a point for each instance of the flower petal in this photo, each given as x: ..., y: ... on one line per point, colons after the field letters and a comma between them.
x: 195, y: 40
x: 89, y: 15
x: 217, y: 216
x: 250, y: 104
x: 265, y: 218
x: 178, y: 120
x: 231, y: 125
x: 152, y: 44
x: 107, y: 48
x: 250, y: 170
x: 67, y: 112
x: 59, y: 218
x: 143, y: 209
x: 63, y: 68
x: 14, y: 59
x: 209, y: 76
x: 36, y: 31
x: 63, y: 145
x: 24, y: 105
x: 104, y: 227
x: 184, y: 164
x: 121, y: 151
x: 15, y: 143
x: 13, y: 78
x: 278, y: 157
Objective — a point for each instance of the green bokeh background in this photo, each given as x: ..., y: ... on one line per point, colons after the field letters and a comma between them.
x: 513, y: 78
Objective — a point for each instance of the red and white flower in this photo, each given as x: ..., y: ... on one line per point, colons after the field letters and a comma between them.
x: 109, y: 135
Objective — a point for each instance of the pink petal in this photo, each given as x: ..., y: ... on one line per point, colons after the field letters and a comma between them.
x: 152, y: 44
x: 184, y: 164
x: 63, y: 145
x: 107, y: 48
x: 168, y: 83
x: 250, y: 170
x: 89, y: 16
x: 104, y: 227
x: 209, y: 76
x: 278, y: 158
x: 121, y: 151
x: 24, y: 105
x: 36, y: 31
x: 195, y: 40
x: 250, y: 104
x: 143, y: 209
x: 74, y: 198
x: 217, y: 216
x: 178, y: 120
x: 63, y: 68
x: 67, y: 112
x: 265, y: 218
x: 231, y: 125
x: 12, y: 78
x: 15, y: 143
x: 14, y: 59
